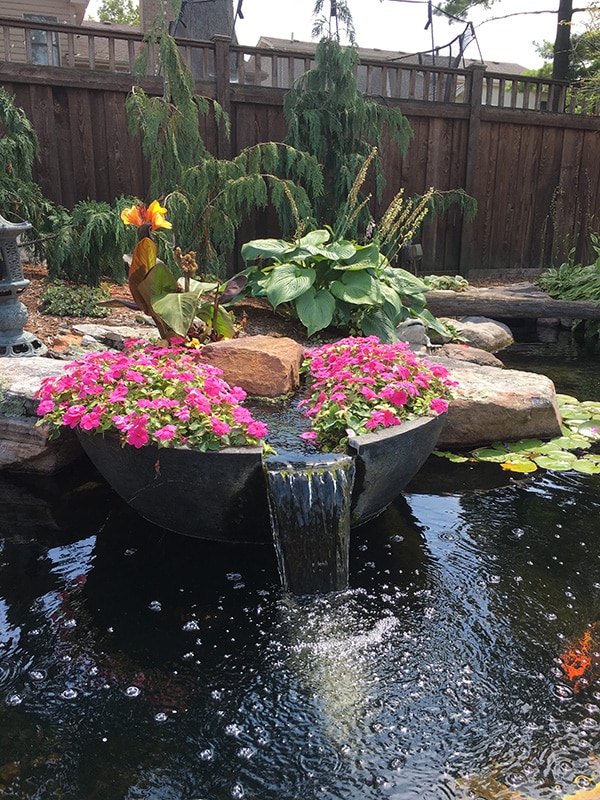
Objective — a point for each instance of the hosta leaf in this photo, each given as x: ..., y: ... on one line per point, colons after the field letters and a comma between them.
x: 288, y: 282
x: 315, y: 309
x: 314, y: 238
x: 267, y: 249
x: 357, y: 288
x: 379, y: 324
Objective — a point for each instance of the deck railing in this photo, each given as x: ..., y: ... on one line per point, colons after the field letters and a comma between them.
x: 108, y: 49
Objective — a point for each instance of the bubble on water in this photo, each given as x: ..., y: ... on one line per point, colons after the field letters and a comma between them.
x: 237, y: 791
x: 562, y: 691
x: 216, y: 694
x: 397, y: 763
x: 233, y: 576
x: 14, y: 700
x: 447, y: 536
x: 207, y: 754
x: 192, y: 625
x: 518, y: 532
x: 245, y: 752
x: 93, y: 671
x: 233, y: 729
x: 161, y: 717
x: 69, y: 694
x: 188, y: 656
x: 155, y: 605
x: 515, y: 778
x: 550, y: 616
x: 132, y: 691
x: 494, y: 579
x: 130, y: 551
x: 396, y: 538
x: 38, y: 631
x: 589, y: 722
x: 70, y: 623
x: 583, y: 782
x: 37, y: 674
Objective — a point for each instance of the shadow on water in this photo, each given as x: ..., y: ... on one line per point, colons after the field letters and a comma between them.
x: 140, y: 664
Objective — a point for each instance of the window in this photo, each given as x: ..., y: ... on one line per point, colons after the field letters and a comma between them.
x: 42, y: 46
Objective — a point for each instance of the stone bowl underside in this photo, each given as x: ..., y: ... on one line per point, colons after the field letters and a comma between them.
x: 222, y: 495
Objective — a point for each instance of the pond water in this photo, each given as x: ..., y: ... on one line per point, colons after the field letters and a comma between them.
x: 139, y: 664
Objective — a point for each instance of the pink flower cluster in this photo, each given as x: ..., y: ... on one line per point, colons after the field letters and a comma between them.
x: 358, y: 385
x: 160, y: 395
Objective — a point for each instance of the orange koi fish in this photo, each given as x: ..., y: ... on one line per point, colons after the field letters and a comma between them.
x: 579, y: 663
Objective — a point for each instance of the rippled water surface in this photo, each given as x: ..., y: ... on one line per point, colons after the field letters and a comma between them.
x: 139, y: 664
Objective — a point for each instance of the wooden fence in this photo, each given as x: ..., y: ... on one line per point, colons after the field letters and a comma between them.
x: 527, y: 149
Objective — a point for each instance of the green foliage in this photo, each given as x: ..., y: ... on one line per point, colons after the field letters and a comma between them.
x: 215, y: 195
x: 20, y: 198
x: 455, y: 283
x: 327, y: 281
x: 170, y: 125
x: 573, y: 281
x: 123, y: 12
x: 89, y: 245
x: 65, y: 300
x: 328, y: 117
x: 570, y: 451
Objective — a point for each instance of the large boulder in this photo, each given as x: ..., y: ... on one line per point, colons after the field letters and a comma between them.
x: 482, y: 332
x: 492, y: 404
x: 25, y: 447
x: 264, y: 366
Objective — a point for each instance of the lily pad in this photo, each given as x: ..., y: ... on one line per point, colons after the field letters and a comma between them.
x: 522, y: 465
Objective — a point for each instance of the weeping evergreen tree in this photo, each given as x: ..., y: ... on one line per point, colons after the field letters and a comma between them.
x: 328, y: 117
x: 208, y: 198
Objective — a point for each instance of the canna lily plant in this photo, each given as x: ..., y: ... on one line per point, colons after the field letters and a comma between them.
x: 176, y: 308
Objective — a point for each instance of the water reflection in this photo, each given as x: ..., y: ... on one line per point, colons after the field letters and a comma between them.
x: 138, y: 664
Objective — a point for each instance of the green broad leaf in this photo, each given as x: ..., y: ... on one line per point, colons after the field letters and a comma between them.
x: 358, y: 288
x: 431, y: 322
x: 586, y: 467
x: 314, y: 238
x: 393, y: 299
x: 315, y: 309
x: 522, y: 465
x: 573, y: 442
x: 223, y: 324
x: 455, y: 458
x: 406, y: 283
x: 377, y: 323
x: 566, y: 398
x: 490, y: 454
x: 199, y: 287
x: 525, y: 445
x: 343, y: 249
x: 363, y: 257
x: 266, y: 248
x: 164, y: 280
x: 177, y: 310
x: 560, y: 463
x: 287, y: 282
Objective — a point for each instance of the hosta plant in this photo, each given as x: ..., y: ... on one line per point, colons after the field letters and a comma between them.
x: 359, y: 385
x: 325, y: 282
x: 149, y: 395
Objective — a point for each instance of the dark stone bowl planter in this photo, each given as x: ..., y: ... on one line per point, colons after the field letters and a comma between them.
x: 222, y: 495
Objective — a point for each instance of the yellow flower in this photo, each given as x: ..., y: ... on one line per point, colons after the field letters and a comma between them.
x: 140, y: 215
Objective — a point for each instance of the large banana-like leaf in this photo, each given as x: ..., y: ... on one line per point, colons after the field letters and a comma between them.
x: 177, y: 310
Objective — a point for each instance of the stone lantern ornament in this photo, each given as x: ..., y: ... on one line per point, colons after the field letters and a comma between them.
x: 14, y: 341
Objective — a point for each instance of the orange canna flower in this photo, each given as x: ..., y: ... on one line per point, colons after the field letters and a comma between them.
x: 153, y: 215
